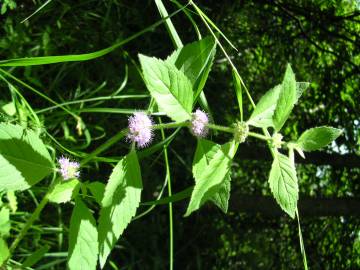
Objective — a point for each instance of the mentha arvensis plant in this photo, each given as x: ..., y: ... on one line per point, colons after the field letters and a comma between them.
x: 175, y: 86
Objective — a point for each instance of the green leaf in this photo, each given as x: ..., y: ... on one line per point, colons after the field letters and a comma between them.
x: 195, y: 60
x: 317, y: 138
x: 287, y: 99
x: 4, y: 222
x: 36, y: 256
x: 169, y: 86
x: 9, y: 108
x: 12, y: 201
x: 97, y: 189
x: 300, y: 88
x: 65, y: 191
x: 222, y: 196
x: 211, y: 165
x: 24, y: 159
x: 283, y: 183
x: 4, y: 251
x: 263, y: 113
x: 83, y: 239
x: 121, y: 199
x: 238, y: 91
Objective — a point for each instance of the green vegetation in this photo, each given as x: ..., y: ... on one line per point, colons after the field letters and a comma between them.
x: 72, y: 72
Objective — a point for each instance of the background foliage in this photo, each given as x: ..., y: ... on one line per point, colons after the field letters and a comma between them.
x: 319, y: 38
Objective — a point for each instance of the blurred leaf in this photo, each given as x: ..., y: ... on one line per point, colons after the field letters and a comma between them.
x: 24, y: 159
x: 283, y: 183
x: 12, y: 201
x: 4, y: 222
x: 317, y: 138
x: 4, y: 251
x: 169, y: 86
x: 36, y: 256
x: 9, y: 108
x: 121, y: 199
x: 83, y: 239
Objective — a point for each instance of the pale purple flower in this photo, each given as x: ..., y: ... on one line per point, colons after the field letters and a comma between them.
x: 140, y: 129
x: 68, y: 169
x: 199, y: 123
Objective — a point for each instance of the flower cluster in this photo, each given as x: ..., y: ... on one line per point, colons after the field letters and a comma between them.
x: 68, y: 169
x: 199, y: 123
x: 241, y: 131
x: 140, y: 129
x: 277, y: 140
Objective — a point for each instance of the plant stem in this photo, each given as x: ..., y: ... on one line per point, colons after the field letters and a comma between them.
x: 35, y: 215
x: 170, y: 125
x: 221, y: 128
x: 259, y: 136
x: 171, y: 244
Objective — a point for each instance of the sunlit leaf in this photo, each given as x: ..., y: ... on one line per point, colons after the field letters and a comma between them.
x: 211, y: 168
x: 24, y: 159
x: 65, y: 191
x: 287, y: 99
x: 170, y: 88
x: 119, y: 204
x: 283, y: 183
x: 83, y: 239
x: 317, y: 138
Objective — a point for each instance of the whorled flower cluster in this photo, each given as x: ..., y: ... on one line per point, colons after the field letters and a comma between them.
x: 140, y: 129
x: 68, y: 169
x: 241, y: 131
x: 199, y: 123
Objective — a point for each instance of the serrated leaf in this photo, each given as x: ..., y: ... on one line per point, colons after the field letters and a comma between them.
x: 4, y: 251
x: 283, y: 183
x: 222, y: 196
x: 287, y: 99
x: 97, y: 189
x: 263, y: 113
x: 4, y: 222
x: 170, y: 88
x: 36, y: 256
x: 65, y: 191
x: 300, y: 88
x: 24, y: 159
x: 195, y: 60
x: 120, y: 202
x: 211, y: 165
x: 83, y: 239
x: 317, y: 138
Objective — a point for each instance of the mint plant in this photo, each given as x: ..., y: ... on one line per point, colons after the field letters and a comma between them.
x: 175, y: 84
